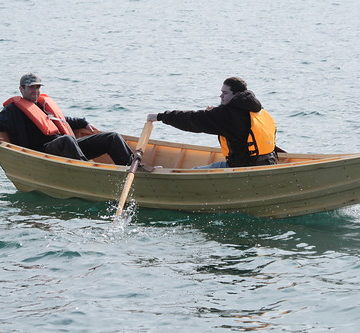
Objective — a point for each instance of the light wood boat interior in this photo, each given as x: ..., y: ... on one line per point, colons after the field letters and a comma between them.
x: 185, y: 156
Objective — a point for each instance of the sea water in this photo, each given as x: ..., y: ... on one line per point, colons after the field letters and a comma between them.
x: 65, y: 267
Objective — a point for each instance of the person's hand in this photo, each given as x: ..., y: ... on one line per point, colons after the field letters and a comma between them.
x: 152, y: 117
x: 91, y: 128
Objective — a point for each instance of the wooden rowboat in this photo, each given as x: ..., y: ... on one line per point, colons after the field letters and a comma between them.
x: 298, y: 185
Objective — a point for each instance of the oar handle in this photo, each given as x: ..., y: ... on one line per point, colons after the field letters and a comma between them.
x: 145, y: 135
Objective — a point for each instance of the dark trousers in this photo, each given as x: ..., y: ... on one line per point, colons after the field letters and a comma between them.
x: 89, y: 147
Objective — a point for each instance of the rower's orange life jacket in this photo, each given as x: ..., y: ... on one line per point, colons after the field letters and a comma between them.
x: 261, y: 139
x: 50, y: 122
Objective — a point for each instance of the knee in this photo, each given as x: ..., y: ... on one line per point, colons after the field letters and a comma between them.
x: 113, y: 137
x: 68, y: 139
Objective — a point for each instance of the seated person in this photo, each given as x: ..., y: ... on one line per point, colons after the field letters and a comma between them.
x: 245, y: 130
x: 35, y: 121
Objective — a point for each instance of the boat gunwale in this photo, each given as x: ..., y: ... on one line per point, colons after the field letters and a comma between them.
x: 309, y: 160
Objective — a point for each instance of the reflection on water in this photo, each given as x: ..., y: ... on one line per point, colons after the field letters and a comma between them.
x: 315, y: 233
x: 74, y: 219
x: 337, y: 230
x: 34, y: 203
x: 240, y: 272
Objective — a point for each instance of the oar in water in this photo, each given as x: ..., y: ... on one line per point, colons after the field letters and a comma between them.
x: 139, y: 151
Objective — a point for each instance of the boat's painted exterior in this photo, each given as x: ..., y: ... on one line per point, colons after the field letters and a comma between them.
x: 298, y: 185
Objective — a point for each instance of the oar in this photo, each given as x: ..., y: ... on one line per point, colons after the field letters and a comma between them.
x: 139, y: 151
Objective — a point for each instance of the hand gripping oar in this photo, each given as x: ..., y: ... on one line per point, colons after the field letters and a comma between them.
x: 140, y: 148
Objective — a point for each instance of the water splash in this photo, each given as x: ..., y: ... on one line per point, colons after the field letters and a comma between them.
x: 122, y: 221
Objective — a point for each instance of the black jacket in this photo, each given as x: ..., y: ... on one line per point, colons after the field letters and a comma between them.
x: 231, y: 121
x: 23, y: 132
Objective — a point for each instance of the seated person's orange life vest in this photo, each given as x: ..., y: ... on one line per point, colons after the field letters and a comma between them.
x: 49, y: 120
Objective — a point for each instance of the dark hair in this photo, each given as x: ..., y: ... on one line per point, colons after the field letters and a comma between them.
x: 236, y: 84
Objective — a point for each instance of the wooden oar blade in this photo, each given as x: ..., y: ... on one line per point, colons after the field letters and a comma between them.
x: 124, y: 193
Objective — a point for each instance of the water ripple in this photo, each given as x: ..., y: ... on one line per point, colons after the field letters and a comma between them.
x: 65, y: 266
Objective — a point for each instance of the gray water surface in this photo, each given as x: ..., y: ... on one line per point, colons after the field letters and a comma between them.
x: 65, y: 267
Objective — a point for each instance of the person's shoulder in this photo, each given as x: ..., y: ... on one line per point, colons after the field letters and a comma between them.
x: 10, y: 108
x: 246, y: 101
x: 5, y: 113
x: 7, y: 108
x: 11, y: 111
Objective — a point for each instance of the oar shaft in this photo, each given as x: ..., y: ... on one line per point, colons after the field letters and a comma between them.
x: 144, y: 137
x: 140, y: 148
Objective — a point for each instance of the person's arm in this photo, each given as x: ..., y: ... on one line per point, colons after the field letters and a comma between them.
x: 81, y: 127
x: 201, y: 121
x: 4, y: 120
x: 77, y: 123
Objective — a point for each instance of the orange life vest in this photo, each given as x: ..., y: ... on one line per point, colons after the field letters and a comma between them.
x: 261, y: 139
x: 50, y: 121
